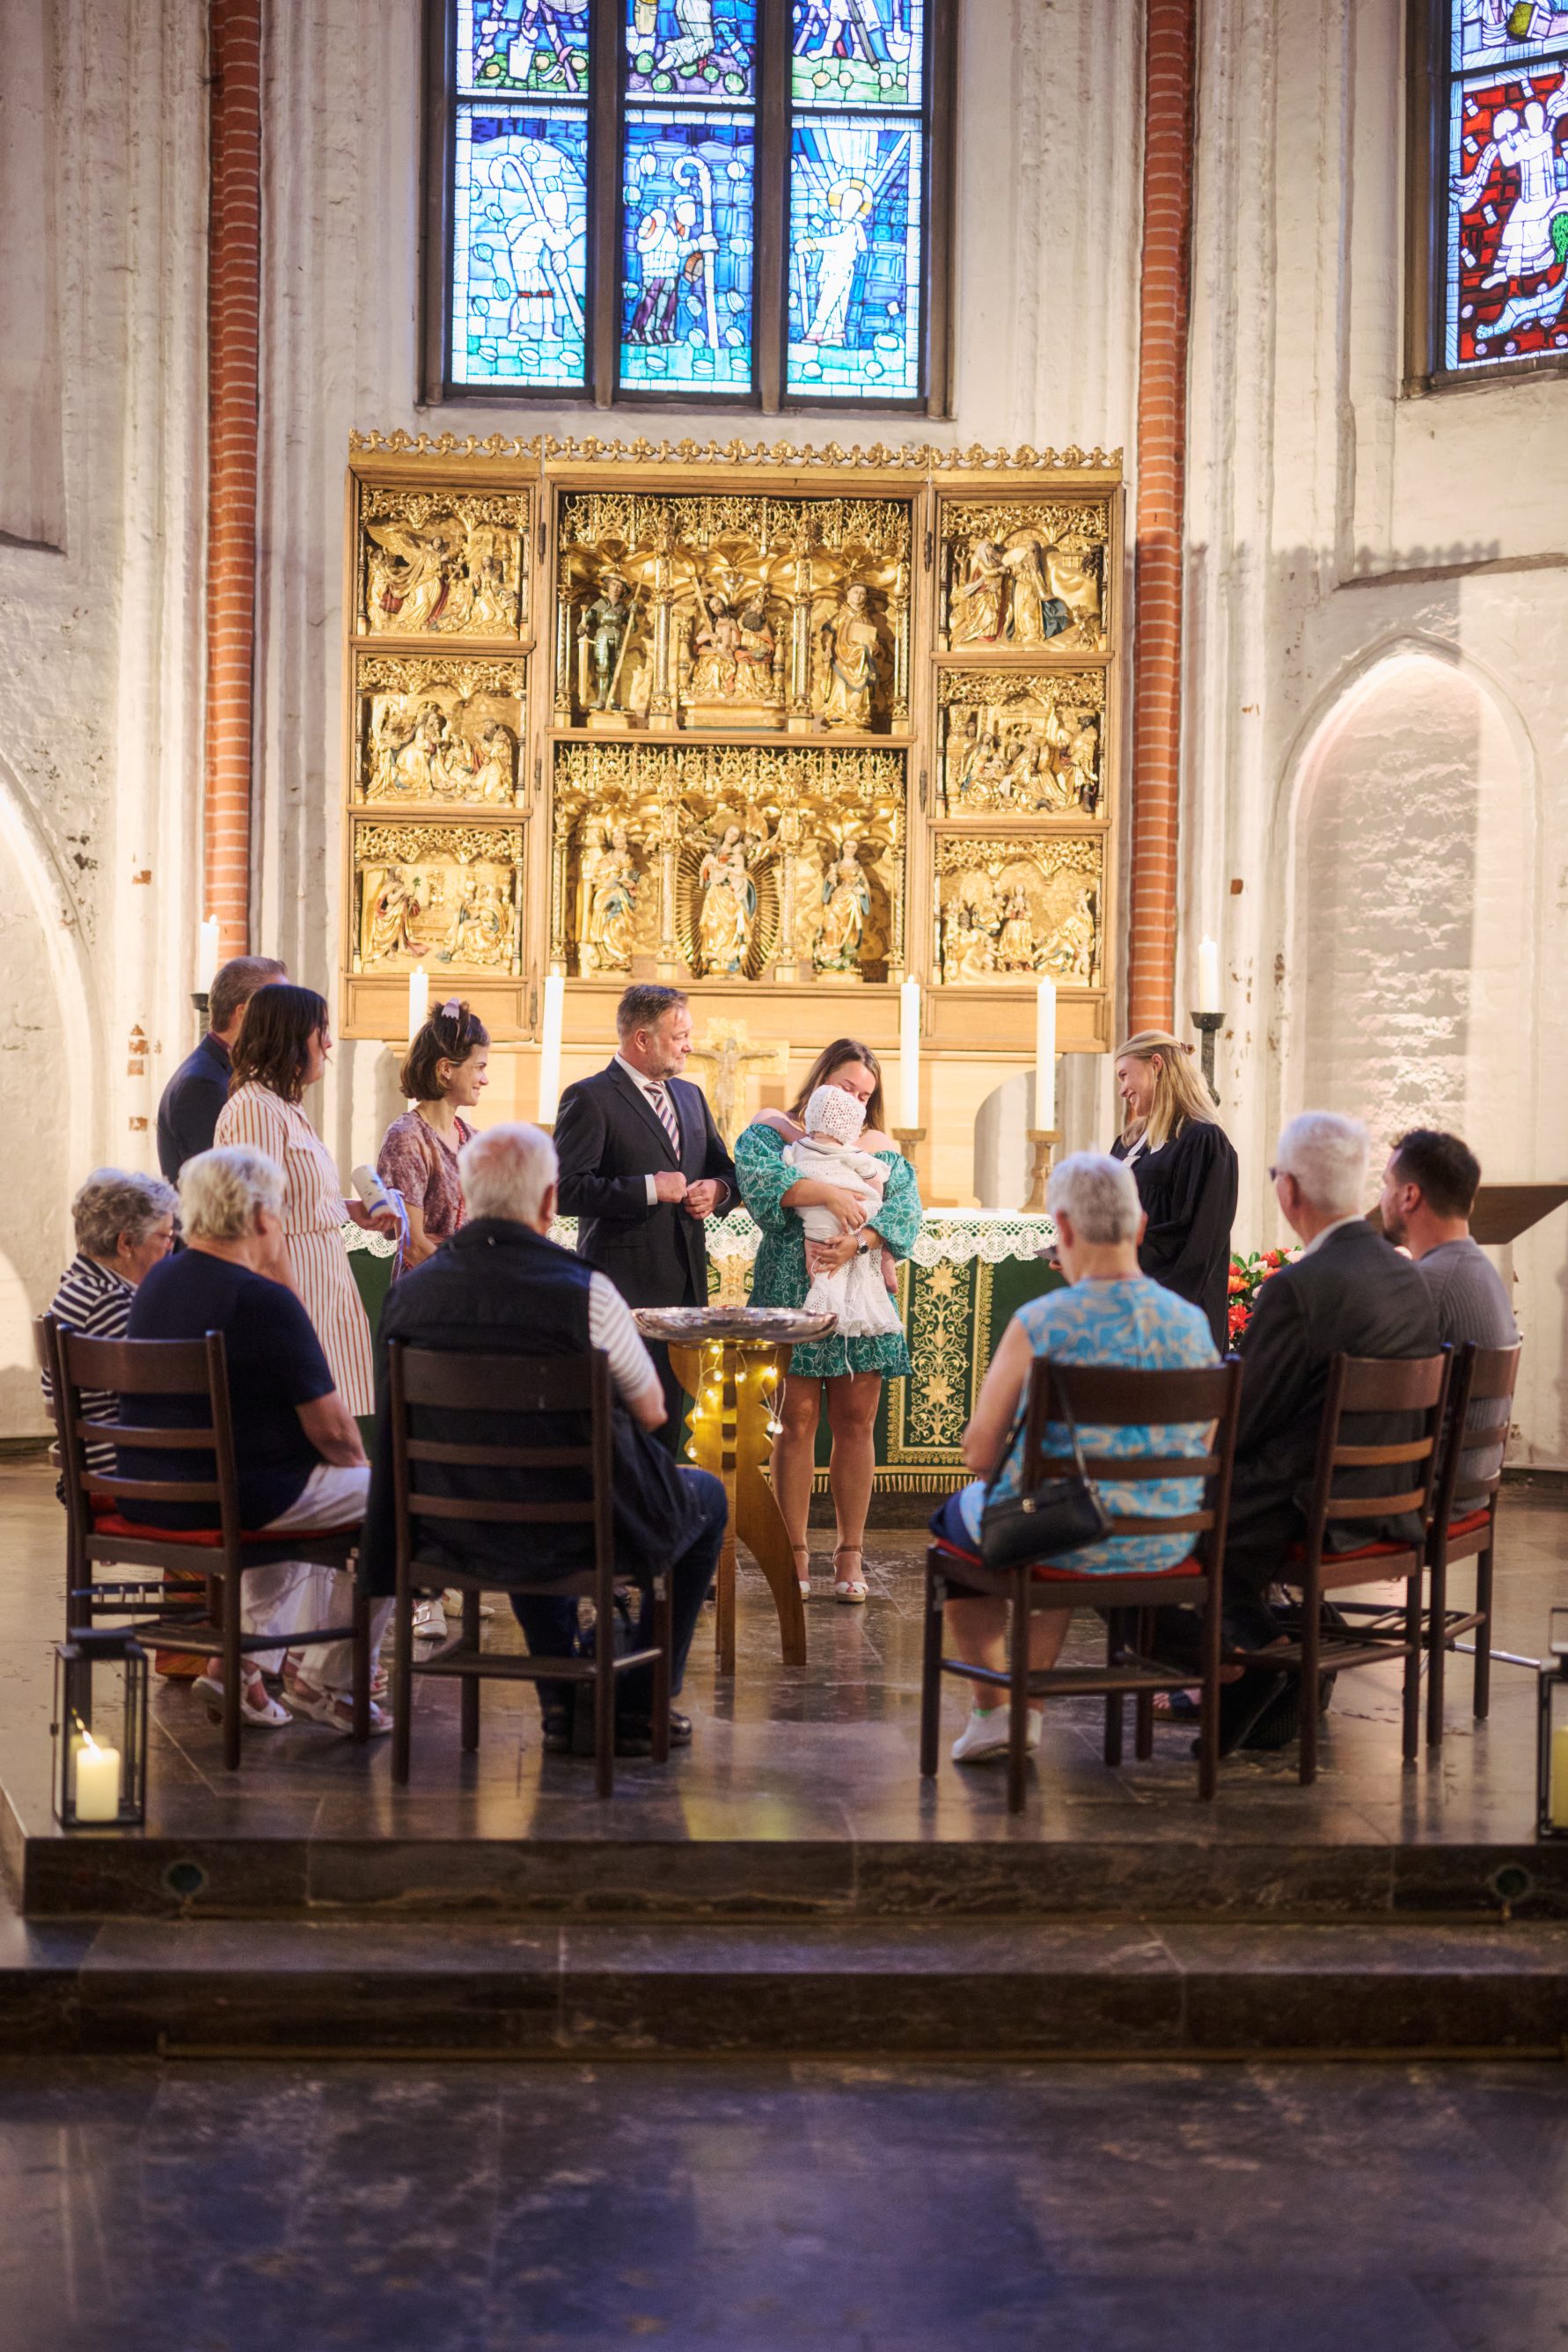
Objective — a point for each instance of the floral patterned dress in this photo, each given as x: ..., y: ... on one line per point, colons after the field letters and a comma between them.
x: 423, y: 1166
x: 779, y: 1277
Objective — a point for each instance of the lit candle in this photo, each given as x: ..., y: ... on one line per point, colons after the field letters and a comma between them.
x: 550, y: 1049
x: 909, y: 1053
x: 1046, y: 1054
x: 206, y: 957
x: 97, y: 1782
x: 1559, y: 1806
x: 418, y: 1001
x: 1208, y: 978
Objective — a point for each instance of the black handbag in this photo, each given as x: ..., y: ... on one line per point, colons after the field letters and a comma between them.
x: 1062, y: 1515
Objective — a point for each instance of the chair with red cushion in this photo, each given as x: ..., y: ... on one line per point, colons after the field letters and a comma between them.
x: 1116, y: 1399
x: 1464, y: 1524
x: 219, y: 1557
x: 1414, y: 1388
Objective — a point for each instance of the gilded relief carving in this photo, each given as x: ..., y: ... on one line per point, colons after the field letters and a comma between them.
x: 435, y: 729
x: 1021, y: 743
x: 1013, y: 910
x: 1024, y: 573
x: 728, y: 862
x: 904, y: 457
x: 723, y: 611
x: 448, y: 896
x: 439, y: 563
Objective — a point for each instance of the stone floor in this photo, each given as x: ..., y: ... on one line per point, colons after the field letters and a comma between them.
x: 762, y: 2208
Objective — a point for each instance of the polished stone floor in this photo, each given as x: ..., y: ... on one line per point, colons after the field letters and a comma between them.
x: 762, y: 2208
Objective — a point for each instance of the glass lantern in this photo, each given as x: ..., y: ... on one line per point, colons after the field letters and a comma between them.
x: 99, y: 1730
x: 1551, y: 1750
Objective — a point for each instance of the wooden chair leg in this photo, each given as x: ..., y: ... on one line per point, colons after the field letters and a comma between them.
x: 1018, y: 1695
x: 360, y: 1666
x: 605, y: 1701
x: 931, y: 1669
x: 469, y: 1704
x: 663, y: 1664
x: 1482, y: 1699
x: 1144, y: 1706
x: 1437, y: 1646
x: 1113, y: 1699
x: 232, y: 1671
x: 402, y: 1681
x: 1208, y: 1727
x: 1312, y: 1637
x: 1410, y: 1689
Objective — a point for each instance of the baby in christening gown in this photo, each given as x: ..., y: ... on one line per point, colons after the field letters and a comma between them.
x: 856, y: 1294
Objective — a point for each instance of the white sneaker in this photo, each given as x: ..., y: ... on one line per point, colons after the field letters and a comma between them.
x: 452, y: 1605
x: 429, y: 1622
x: 984, y: 1736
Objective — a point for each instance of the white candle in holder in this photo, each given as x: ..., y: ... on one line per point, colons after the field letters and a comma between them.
x: 909, y: 1053
x: 550, y: 1049
x: 97, y: 1782
x: 1208, y: 978
x: 1046, y: 1054
x: 418, y: 1001
x: 206, y: 957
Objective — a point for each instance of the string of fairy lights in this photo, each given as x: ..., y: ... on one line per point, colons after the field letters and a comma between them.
x: 708, y: 1406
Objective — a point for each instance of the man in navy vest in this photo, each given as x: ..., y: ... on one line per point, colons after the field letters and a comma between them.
x: 500, y: 1286
x: 187, y: 1114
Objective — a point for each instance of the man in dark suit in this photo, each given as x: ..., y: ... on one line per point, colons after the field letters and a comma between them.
x: 1350, y: 1293
x: 642, y: 1165
x: 188, y: 1113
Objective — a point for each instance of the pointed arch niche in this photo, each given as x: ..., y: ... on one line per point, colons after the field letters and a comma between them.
x: 1412, y: 889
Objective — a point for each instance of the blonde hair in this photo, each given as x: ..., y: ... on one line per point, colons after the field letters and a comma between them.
x: 1180, y: 1095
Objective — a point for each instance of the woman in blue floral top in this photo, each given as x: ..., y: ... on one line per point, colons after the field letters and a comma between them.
x: 851, y: 1371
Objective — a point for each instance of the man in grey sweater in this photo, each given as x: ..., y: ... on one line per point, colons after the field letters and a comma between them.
x: 1428, y: 1191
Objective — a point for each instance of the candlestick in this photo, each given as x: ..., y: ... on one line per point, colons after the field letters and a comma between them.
x: 550, y: 1048
x: 1208, y: 977
x: 97, y: 1782
x: 207, y: 956
x: 1558, y: 1811
x: 1208, y: 1024
x: 1046, y: 1055
x: 909, y: 1053
x: 418, y: 1001
x: 1045, y: 1141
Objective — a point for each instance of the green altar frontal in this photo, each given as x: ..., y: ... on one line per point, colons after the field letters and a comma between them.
x: 969, y: 1273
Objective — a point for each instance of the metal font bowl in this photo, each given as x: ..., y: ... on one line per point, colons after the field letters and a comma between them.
x: 689, y: 1327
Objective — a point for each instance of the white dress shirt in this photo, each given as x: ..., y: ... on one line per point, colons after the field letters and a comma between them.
x: 1339, y: 1223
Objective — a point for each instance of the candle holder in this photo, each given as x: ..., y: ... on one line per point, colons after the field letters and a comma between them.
x: 1552, y: 1739
x: 908, y: 1140
x: 1045, y: 1141
x: 1209, y: 1024
x: 99, y: 1730
x: 203, y: 1003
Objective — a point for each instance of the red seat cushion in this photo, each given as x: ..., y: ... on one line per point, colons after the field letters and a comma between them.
x: 1075, y: 1575
x: 1470, y: 1526
x: 111, y: 1523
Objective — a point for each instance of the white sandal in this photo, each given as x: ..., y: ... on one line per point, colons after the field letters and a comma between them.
x: 257, y: 1704
x: 803, y: 1551
x: 850, y: 1589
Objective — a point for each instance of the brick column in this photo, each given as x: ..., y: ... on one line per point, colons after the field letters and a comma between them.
x: 234, y: 318
x: 1164, y: 303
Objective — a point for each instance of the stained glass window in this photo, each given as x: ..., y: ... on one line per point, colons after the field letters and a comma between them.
x: 1505, y: 279
x: 687, y: 199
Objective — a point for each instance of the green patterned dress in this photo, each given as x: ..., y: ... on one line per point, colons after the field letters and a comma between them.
x: 779, y: 1277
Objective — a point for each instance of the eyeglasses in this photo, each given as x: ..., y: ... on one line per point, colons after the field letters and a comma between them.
x: 1275, y: 1174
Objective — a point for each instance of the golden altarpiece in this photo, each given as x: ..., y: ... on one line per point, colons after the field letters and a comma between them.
x: 784, y: 726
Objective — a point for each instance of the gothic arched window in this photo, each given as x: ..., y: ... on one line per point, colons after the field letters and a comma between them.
x: 724, y: 201
x: 1494, y: 90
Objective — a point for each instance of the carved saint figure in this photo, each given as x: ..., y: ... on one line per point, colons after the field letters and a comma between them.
x: 1071, y: 951
x: 976, y: 614
x: 1015, y: 948
x: 493, y: 774
x: 729, y: 905
x: 754, y: 654
x: 602, y: 628
x: 481, y: 932
x: 851, y: 641
x: 395, y: 910
x: 492, y: 604
x: 968, y: 951
x: 409, y: 576
x: 716, y: 653
x: 1083, y: 758
x: 1035, y: 614
x: 846, y: 904
x: 610, y: 878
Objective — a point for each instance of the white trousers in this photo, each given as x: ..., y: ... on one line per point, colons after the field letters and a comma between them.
x: 294, y: 1594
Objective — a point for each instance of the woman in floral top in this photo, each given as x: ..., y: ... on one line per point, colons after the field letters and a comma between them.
x: 850, y: 1371
x: 446, y: 1074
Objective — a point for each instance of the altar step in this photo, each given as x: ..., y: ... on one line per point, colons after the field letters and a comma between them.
x: 1107, y: 1988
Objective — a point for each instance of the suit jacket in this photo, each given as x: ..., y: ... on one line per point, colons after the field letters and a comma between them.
x: 1354, y: 1296
x: 188, y: 1113
x: 609, y: 1142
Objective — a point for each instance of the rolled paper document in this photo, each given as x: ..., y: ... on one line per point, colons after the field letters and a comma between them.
x: 372, y: 1192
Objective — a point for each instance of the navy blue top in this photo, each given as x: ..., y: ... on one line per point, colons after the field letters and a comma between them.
x: 275, y: 1362
x: 187, y: 1114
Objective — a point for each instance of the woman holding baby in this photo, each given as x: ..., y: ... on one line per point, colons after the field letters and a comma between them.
x: 837, y: 1205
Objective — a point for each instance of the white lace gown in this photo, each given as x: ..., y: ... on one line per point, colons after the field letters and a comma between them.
x: 855, y: 1294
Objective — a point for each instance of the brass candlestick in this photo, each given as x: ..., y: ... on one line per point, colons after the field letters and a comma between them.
x: 1045, y: 1141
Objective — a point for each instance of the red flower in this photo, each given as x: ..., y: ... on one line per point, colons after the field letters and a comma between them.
x: 1237, y: 1280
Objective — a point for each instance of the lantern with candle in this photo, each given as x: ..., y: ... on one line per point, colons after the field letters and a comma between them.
x: 1551, y: 1749
x: 99, y: 1730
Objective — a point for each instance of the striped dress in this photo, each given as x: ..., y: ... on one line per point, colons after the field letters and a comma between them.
x: 95, y: 1301
x: 313, y: 1216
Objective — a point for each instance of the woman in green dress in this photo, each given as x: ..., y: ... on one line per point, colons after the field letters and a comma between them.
x: 850, y: 1371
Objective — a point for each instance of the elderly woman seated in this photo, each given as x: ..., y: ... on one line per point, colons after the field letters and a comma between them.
x: 297, y: 1447
x: 1111, y: 1314
x: 125, y: 1226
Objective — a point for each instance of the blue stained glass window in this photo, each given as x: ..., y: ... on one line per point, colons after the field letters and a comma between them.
x: 1505, y: 294
x: 539, y: 47
x: 519, y: 249
x: 691, y: 48
x: 687, y: 249
x: 864, y: 53
x: 855, y: 258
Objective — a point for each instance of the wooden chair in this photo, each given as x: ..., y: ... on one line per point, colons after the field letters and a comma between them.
x: 1464, y: 1526
x: 450, y: 1385
x: 196, y: 1369
x: 1115, y: 1399
x: 1415, y: 1386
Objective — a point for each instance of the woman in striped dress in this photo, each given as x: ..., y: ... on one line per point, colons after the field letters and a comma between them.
x: 282, y: 1049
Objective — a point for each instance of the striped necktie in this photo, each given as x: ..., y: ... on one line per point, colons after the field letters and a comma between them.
x: 666, y: 1111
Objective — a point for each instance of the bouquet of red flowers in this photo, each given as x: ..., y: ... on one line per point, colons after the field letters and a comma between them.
x: 1247, y: 1277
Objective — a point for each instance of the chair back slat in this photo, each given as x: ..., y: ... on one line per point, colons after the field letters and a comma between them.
x: 501, y: 1457
x: 518, y: 1384
x: 138, y: 1367
x: 1412, y: 1387
x: 1105, y: 1393
x: 516, y: 1514
x: 1391, y: 1383
x: 1128, y: 1469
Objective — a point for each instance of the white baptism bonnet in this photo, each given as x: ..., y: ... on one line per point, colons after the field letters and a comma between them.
x: 832, y: 1110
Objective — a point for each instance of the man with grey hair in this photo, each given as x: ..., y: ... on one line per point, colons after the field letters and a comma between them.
x: 1348, y: 1293
x: 297, y: 1447
x: 500, y: 1286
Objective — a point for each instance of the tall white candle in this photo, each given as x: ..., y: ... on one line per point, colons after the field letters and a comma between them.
x: 1046, y: 1054
x: 418, y: 1001
x: 97, y: 1782
x: 550, y: 1049
x: 909, y: 1053
x: 1208, y: 978
x: 206, y: 957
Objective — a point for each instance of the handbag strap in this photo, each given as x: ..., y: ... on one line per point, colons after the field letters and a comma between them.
x: 1060, y: 1396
